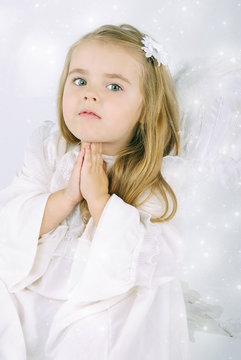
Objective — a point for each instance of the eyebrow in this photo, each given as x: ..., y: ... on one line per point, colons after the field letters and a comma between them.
x: 111, y: 76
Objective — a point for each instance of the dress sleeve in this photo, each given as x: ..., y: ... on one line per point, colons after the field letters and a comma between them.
x: 128, y: 250
x: 22, y: 206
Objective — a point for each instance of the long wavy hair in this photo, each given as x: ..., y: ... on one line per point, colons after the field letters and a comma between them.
x: 137, y: 168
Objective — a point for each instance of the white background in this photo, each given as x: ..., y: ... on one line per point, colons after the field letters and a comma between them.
x: 35, y: 37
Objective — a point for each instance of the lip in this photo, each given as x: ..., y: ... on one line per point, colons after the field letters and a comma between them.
x: 89, y: 114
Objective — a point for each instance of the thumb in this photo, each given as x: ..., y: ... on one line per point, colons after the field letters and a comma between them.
x: 105, y: 166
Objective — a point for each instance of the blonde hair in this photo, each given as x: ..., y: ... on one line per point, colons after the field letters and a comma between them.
x: 137, y: 167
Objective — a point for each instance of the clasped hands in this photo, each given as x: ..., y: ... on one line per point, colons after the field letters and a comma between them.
x: 89, y: 180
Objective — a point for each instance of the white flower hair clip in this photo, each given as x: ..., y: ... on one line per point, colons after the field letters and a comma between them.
x: 153, y: 49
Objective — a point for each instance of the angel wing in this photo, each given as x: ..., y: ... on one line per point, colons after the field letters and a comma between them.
x: 207, y: 180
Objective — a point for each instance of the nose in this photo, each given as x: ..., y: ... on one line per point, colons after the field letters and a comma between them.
x: 91, y: 95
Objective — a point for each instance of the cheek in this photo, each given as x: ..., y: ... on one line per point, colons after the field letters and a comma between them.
x: 67, y: 102
x: 132, y: 110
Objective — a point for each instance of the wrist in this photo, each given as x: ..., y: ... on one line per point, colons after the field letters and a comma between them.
x: 97, y: 206
x: 98, y: 203
x: 70, y: 202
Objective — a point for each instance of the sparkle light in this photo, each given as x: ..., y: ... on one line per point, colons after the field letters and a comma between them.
x: 37, y: 52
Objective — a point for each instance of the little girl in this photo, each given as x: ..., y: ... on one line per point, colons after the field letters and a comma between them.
x: 89, y: 255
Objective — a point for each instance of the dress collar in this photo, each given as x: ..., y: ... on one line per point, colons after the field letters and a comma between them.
x: 109, y: 159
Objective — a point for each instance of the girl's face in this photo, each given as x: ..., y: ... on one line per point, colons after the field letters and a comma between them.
x: 104, y: 79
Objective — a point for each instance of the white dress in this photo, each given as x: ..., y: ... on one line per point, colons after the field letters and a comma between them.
x: 129, y: 289
x: 111, y: 292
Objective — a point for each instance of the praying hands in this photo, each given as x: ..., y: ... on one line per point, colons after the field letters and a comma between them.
x: 89, y: 180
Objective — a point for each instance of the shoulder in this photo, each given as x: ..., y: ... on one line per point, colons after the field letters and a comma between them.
x: 46, y: 132
x: 48, y: 139
x: 174, y: 170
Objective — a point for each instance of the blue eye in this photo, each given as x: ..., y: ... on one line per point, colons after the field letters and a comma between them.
x: 79, y: 82
x: 115, y: 86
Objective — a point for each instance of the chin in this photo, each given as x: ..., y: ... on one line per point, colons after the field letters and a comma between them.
x: 89, y: 139
x: 82, y: 137
x: 85, y: 135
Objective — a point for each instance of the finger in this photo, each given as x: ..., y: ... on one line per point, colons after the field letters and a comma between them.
x: 77, y: 165
x: 99, y: 162
x: 93, y: 149
x: 82, y: 158
x: 97, y: 148
x: 79, y: 159
x: 86, y: 145
x: 87, y: 158
x: 105, y: 166
x: 94, y: 155
x: 100, y: 159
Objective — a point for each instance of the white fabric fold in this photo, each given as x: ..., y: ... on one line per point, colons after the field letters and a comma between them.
x: 131, y: 258
x: 116, y: 250
x: 17, y: 236
x: 10, y: 328
x: 22, y: 208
